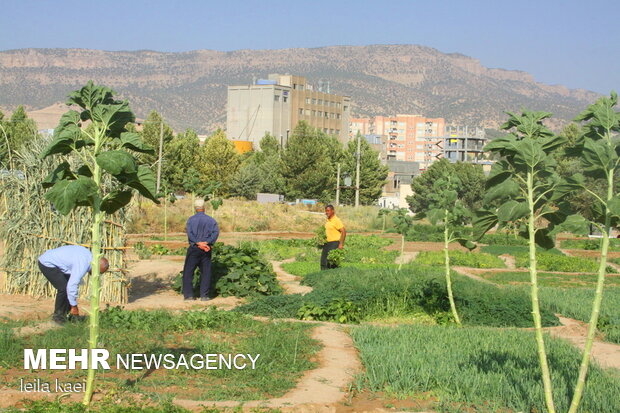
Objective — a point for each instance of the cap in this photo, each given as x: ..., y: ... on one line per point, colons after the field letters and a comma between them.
x: 199, y: 203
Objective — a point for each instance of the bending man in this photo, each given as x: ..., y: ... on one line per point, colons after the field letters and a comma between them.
x: 202, y: 232
x: 64, y: 268
x: 335, y: 235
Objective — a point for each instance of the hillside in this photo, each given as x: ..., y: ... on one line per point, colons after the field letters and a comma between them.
x: 189, y: 88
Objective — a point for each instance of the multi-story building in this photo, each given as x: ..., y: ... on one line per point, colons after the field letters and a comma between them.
x: 275, y: 105
x: 464, y: 144
x: 407, y: 137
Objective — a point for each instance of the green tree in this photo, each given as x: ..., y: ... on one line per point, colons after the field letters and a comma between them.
x: 470, y: 192
x: 268, y: 164
x: 246, y: 182
x: 182, y: 155
x: 108, y: 150
x: 527, y: 188
x: 15, y: 132
x: 151, y: 132
x: 218, y: 161
x: 372, y: 173
x: 307, y: 165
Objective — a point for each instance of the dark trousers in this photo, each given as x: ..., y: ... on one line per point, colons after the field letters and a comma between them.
x: 197, y: 258
x: 59, y: 280
x: 327, y: 247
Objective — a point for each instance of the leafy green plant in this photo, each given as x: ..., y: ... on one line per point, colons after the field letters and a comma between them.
x: 461, y: 258
x: 561, y: 263
x: 503, y: 238
x: 239, y: 271
x: 338, y: 310
x: 159, y: 249
x: 144, y: 252
x: 105, y: 149
x: 336, y: 257
x: 320, y: 237
x: 599, y: 152
x: 402, y: 222
x: 525, y: 185
x: 589, y: 244
x: 447, y: 210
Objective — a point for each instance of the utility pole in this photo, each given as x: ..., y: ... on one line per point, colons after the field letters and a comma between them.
x: 357, y: 174
x: 161, y: 145
x: 338, y: 186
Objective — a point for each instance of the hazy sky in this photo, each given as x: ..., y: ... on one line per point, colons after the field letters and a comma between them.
x: 574, y: 43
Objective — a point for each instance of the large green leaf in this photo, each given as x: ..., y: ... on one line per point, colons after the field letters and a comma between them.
x: 115, y: 116
x: 484, y: 221
x: 67, y: 194
x: 62, y: 171
x: 500, y: 172
x: 507, y: 189
x: 435, y: 215
x: 512, y: 211
x: 614, y: 206
x: 117, y: 162
x: 597, y: 157
x: 133, y: 141
x: 544, y: 239
x: 71, y: 117
x: 91, y: 95
x: 143, y: 180
x: 115, y: 201
x: 63, y: 141
x: 529, y: 153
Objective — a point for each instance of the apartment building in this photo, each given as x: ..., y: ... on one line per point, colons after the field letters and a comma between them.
x: 410, y: 138
x: 275, y: 105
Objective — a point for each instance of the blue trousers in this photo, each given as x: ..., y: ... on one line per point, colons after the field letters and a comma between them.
x: 197, y: 258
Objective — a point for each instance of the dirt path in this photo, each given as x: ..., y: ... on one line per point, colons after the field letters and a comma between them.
x: 509, y: 260
x: 466, y: 271
x: 289, y: 282
x: 320, y: 388
x: 607, y: 355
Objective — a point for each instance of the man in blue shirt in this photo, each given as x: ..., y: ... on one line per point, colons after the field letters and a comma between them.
x: 64, y: 268
x: 202, y: 232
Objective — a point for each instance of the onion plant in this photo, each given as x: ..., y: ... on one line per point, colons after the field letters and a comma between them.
x: 105, y: 147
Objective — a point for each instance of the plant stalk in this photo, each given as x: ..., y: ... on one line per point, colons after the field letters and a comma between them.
x: 402, y: 251
x: 446, y: 254
x: 542, y: 355
x: 598, y: 299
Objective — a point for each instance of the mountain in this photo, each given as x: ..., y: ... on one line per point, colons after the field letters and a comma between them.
x: 189, y: 88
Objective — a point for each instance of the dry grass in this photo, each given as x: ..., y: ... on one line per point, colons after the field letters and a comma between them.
x: 237, y: 215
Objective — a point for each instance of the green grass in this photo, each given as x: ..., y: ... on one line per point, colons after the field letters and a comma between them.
x: 381, y: 293
x: 577, y: 303
x: 547, y: 279
x: 461, y: 258
x: 488, y: 368
x: 562, y: 263
x: 515, y: 250
x: 285, y: 350
x: 280, y: 249
x: 593, y: 244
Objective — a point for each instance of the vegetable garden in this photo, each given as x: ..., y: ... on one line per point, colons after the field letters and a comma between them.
x: 461, y: 310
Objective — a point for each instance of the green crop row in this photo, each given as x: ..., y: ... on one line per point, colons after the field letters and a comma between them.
x: 460, y: 258
x: 548, y: 279
x: 495, y: 370
x: 515, y: 250
x: 410, y: 291
x: 577, y: 303
x: 562, y: 263
x: 589, y: 244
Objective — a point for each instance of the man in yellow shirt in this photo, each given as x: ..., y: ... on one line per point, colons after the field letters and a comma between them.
x: 335, y: 235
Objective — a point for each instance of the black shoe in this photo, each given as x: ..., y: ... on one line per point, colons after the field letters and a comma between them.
x: 58, y: 319
x: 76, y: 318
x: 189, y: 299
x: 205, y: 298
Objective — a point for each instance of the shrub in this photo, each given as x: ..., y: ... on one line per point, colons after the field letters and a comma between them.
x: 338, y: 310
x: 424, y: 233
x: 239, y: 271
x: 462, y: 258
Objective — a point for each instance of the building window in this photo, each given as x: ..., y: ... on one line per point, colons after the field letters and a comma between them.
x: 345, y: 108
x: 320, y: 113
x: 337, y: 115
x: 314, y: 101
x: 338, y: 105
x: 314, y: 113
x: 327, y: 114
x: 307, y: 101
x: 324, y: 130
x: 301, y: 111
x: 276, y: 98
x: 284, y: 99
x: 337, y: 131
x: 320, y: 101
